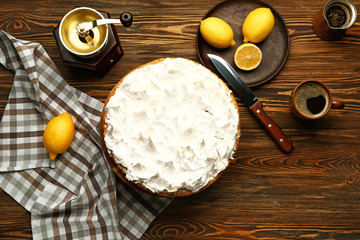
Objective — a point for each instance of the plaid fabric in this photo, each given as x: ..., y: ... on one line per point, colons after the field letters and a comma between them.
x: 77, y: 196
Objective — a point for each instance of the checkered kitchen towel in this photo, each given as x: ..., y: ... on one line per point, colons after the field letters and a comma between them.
x: 77, y: 196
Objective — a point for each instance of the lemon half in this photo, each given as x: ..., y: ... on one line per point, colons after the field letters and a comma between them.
x: 247, y: 56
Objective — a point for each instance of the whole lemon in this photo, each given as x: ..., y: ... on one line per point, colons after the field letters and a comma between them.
x: 217, y: 32
x: 258, y: 25
x: 58, y: 134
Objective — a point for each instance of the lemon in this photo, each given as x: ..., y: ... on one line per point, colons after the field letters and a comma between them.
x: 258, y: 25
x: 58, y: 134
x: 247, y: 56
x: 217, y: 32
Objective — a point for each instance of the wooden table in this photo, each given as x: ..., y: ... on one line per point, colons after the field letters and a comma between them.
x: 311, y: 193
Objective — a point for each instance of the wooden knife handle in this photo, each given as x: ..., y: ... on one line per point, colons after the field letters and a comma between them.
x: 272, y: 128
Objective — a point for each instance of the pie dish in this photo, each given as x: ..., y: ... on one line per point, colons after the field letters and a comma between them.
x: 182, y: 153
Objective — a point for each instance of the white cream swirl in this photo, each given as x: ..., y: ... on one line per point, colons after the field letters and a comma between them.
x: 172, y: 126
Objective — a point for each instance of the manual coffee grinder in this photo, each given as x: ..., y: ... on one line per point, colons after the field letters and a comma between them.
x: 87, y: 39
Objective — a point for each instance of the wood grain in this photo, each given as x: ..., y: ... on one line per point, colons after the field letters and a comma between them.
x: 311, y: 193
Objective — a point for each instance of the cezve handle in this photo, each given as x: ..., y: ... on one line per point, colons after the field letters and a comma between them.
x: 272, y: 128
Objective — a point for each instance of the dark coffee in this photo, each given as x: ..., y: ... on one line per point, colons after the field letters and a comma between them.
x: 312, y: 99
x: 336, y: 16
x: 316, y: 104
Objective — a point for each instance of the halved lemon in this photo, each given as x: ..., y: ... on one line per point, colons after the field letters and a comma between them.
x: 247, y: 56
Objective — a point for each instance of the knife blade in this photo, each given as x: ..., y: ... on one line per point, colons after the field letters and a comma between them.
x: 251, y: 101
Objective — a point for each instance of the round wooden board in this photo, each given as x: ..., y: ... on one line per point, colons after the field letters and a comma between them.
x: 275, y: 47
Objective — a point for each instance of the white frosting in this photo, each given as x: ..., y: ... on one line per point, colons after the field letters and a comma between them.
x: 172, y: 125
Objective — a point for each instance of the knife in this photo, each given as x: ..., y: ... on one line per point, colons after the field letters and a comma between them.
x: 251, y: 101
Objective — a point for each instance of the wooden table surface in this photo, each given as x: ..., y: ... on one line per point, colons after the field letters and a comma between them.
x: 311, y: 193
